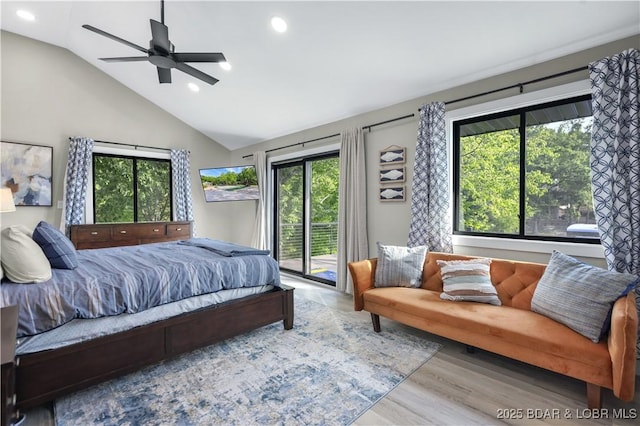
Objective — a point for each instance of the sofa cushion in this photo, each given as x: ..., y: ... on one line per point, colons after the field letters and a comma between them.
x: 580, y: 295
x: 503, y: 329
x: 468, y: 280
x: 399, y: 266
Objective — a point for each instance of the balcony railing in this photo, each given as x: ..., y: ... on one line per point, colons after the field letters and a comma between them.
x: 324, y: 248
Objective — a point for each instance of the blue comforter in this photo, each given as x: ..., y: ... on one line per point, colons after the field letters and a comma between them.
x: 118, y: 280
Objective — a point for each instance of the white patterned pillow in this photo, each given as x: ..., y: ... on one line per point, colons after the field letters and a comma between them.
x: 579, y: 295
x: 468, y: 281
x: 399, y: 266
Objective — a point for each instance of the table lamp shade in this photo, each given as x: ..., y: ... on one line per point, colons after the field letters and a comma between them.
x: 6, y: 200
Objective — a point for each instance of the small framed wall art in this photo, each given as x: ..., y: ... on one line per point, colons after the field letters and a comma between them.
x: 392, y: 193
x: 393, y: 155
x: 26, y: 170
x: 392, y: 175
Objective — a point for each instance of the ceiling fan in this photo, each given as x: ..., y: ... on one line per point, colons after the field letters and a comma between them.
x: 161, y: 53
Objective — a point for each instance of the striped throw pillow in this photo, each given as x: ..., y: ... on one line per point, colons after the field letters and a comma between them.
x: 579, y: 295
x: 399, y: 266
x: 468, y: 281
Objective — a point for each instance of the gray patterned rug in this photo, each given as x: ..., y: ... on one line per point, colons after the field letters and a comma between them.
x: 328, y: 370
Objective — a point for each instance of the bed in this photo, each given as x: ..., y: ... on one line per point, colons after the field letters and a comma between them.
x: 127, y: 332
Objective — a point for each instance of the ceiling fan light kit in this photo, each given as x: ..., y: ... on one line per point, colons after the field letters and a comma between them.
x: 161, y: 53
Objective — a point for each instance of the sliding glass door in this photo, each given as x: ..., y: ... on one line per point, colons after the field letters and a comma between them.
x: 306, y: 216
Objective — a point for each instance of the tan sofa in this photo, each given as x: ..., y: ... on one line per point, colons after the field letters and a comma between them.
x: 512, y: 329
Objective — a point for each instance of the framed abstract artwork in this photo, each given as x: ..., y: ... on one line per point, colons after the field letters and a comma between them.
x: 27, y: 171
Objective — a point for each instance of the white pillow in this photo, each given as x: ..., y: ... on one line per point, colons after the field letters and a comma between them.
x: 23, y: 260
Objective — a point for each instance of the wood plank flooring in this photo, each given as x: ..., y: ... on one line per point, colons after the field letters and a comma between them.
x: 459, y: 388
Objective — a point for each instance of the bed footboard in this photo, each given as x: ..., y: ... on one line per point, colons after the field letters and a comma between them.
x: 46, y: 375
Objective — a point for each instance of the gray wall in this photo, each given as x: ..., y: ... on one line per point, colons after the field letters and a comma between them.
x: 49, y: 94
x: 389, y: 222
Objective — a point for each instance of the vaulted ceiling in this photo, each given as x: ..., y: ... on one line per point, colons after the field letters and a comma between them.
x: 337, y: 59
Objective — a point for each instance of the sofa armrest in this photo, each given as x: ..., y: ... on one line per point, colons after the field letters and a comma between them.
x: 362, y: 274
x: 622, y: 346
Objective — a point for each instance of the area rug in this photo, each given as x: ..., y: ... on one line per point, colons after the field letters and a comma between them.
x: 327, y: 370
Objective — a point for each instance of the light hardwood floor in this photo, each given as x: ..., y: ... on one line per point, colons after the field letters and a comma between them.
x: 458, y: 388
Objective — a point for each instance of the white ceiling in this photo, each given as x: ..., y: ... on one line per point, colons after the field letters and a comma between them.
x: 337, y: 59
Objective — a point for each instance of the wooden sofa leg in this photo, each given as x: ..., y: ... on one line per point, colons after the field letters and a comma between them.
x: 375, y: 319
x: 594, y: 396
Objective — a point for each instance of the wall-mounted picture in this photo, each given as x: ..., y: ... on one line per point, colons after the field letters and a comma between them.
x: 392, y: 193
x: 237, y: 183
x: 26, y: 170
x: 393, y: 155
x: 395, y: 175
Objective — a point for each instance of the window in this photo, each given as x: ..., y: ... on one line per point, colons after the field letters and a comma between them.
x: 306, y: 216
x: 131, y: 189
x: 524, y: 173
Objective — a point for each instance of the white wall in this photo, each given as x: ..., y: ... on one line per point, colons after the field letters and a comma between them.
x: 389, y: 222
x: 49, y: 94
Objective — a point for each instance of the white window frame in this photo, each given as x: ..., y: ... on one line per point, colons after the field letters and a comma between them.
x: 565, y: 91
x: 88, y: 207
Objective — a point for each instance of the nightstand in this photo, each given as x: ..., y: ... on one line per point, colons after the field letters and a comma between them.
x: 9, y: 324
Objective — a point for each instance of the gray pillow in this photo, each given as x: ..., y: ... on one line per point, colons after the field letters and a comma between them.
x: 580, y: 296
x: 399, y: 266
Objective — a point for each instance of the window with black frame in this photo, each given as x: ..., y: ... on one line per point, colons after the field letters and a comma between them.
x: 131, y: 189
x: 524, y: 173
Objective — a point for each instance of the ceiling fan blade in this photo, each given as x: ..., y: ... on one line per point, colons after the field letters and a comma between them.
x: 116, y: 38
x: 196, y: 73
x: 199, y: 57
x: 160, y: 36
x: 126, y: 59
x: 164, y: 75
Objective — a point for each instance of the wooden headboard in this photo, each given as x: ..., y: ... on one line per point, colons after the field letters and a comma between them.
x: 127, y: 234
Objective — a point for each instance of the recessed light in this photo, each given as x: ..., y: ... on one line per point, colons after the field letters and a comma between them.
x: 194, y: 87
x: 279, y: 24
x: 225, y: 65
x: 26, y: 15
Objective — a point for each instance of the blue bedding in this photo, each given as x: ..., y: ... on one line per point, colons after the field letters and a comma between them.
x: 223, y: 248
x: 117, y: 280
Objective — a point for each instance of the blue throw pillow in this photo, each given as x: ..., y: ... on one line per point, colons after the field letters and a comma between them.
x: 579, y: 295
x: 56, y: 246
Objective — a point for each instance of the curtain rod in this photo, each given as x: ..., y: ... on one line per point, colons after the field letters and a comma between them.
x: 128, y: 144
x: 296, y: 144
x: 520, y: 85
x: 466, y: 98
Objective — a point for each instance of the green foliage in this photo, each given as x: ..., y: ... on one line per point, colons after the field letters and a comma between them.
x: 114, y: 194
x: 324, y: 208
x: 557, y: 179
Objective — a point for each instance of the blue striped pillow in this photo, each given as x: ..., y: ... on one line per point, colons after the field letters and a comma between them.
x: 56, y: 246
x: 579, y: 295
x: 399, y: 266
x: 468, y: 281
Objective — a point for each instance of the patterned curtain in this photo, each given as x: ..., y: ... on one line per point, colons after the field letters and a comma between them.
x: 76, y: 178
x: 181, y: 171
x: 353, y: 243
x: 430, y: 216
x: 259, y: 238
x: 615, y: 159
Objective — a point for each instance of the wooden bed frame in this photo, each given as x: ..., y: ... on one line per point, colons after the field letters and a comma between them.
x: 44, y: 376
